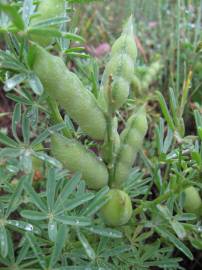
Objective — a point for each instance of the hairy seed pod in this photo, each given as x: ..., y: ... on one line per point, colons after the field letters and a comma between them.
x: 120, y: 68
x: 126, y: 41
x: 151, y: 75
x: 131, y: 141
x: 193, y: 202
x: 136, y: 87
x: 118, y: 210
x: 66, y: 88
x: 74, y: 156
x: 47, y: 9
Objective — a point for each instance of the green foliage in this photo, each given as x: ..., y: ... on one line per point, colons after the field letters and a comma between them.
x: 57, y: 213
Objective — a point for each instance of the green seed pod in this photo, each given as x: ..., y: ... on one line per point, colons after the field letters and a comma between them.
x: 76, y: 158
x: 120, y: 68
x: 66, y: 88
x: 193, y: 202
x: 126, y: 41
x: 151, y: 74
x: 136, y: 88
x: 47, y: 9
x: 118, y: 210
x: 131, y: 141
x: 118, y: 95
x: 121, y: 65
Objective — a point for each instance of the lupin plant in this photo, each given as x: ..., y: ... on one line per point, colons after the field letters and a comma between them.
x: 71, y: 196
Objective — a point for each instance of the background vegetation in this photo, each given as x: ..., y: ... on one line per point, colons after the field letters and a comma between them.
x: 162, y: 233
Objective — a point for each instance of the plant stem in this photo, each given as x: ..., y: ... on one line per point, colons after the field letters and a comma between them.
x: 56, y: 116
x: 109, y: 118
x: 178, y: 49
x: 158, y: 200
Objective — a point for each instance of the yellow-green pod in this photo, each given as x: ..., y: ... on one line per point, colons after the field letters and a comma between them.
x: 127, y: 155
x: 193, y: 202
x: 76, y: 158
x: 118, y: 210
x: 66, y: 88
x: 126, y: 41
x: 136, y: 87
x: 47, y: 9
x: 121, y: 68
x: 131, y: 141
x: 151, y: 74
x: 118, y: 95
x: 121, y: 65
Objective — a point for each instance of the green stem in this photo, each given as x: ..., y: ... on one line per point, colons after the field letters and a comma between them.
x: 158, y: 200
x: 109, y: 118
x: 178, y: 48
x: 198, y: 23
x: 56, y: 116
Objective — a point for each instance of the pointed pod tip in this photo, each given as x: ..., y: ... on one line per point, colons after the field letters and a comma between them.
x: 128, y: 28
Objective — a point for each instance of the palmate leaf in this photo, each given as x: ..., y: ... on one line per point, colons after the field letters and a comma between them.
x: 9, y: 61
x: 165, y: 110
x: 163, y: 144
x: 11, y: 247
x: 115, y: 251
x: 16, y: 195
x: 23, y: 252
x: 44, y: 157
x: 3, y: 241
x: 33, y: 215
x: 59, y: 243
x: 73, y: 203
x: 16, y: 120
x: 8, y: 152
x: 51, y: 32
x: 67, y: 191
x: 37, y: 250
x: 45, y: 134
x: 13, y: 14
x: 23, y: 226
x: 35, y: 84
x: 52, y: 229
x: 50, y: 22
x: 135, y: 185
x: 175, y: 241
x: 34, y: 197
x: 19, y: 99
x: 107, y: 232
x: 26, y: 128
x: 99, y: 200
x: 4, y: 139
x: 78, y: 221
x: 88, y: 249
x: 12, y: 82
x: 27, y: 11
x: 50, y: 188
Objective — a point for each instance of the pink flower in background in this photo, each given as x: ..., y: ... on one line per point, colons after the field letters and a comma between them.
x: 100, y: 50
x: 152, y: 24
